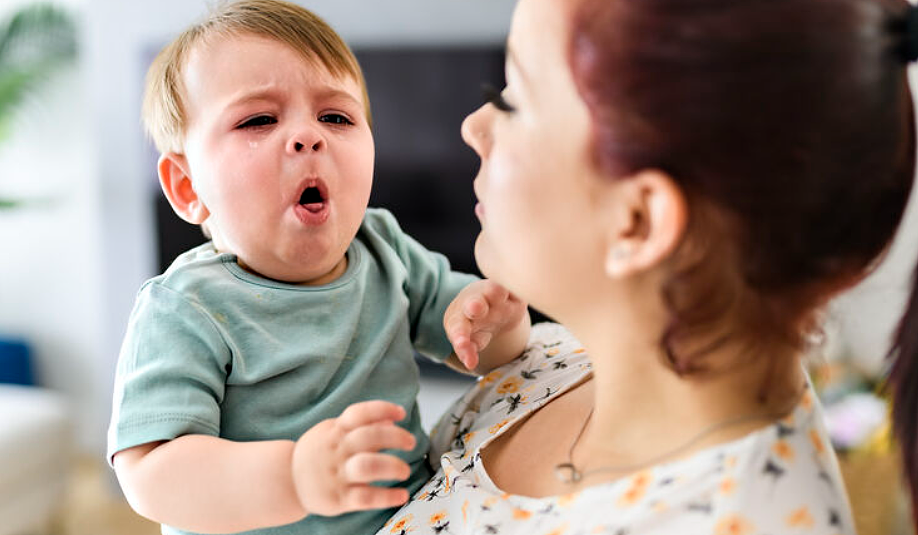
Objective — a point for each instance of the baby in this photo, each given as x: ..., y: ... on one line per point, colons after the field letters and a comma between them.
x: 262, y: 374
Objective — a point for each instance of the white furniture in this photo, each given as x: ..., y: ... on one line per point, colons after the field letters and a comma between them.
x: 35, y: 457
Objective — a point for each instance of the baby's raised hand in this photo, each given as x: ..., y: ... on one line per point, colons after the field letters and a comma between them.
x: 481, y: 311
x: 337, y: 459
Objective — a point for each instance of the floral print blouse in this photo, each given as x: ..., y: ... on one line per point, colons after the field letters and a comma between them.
x: 780, y: 479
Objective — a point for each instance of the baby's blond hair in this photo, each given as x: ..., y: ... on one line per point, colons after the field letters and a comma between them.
x: 164, y: 115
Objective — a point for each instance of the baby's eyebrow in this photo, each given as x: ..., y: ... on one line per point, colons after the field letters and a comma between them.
x: 250, y: 96
x: 275, y: 94
x: 332, y: 93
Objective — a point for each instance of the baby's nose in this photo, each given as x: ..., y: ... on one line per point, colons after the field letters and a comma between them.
x: 305, y: 140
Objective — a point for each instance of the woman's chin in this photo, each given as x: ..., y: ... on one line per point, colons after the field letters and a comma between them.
x: 490, y: 269
x: 483, y: 259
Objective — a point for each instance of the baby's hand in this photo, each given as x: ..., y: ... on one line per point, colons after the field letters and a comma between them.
x: 337, y: 459
x: 482, y: 310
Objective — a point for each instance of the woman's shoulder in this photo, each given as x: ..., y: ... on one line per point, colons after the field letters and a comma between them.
x: 783, y: 478
x: 552, y: 362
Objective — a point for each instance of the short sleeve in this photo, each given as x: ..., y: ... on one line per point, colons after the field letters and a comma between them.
x: 171, y: 372
x: 431, y: 285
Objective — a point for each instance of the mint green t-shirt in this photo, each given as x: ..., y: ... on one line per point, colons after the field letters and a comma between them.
x: 215, y: 350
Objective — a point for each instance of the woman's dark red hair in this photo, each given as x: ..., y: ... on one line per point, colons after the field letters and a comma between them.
x: 789, y: 126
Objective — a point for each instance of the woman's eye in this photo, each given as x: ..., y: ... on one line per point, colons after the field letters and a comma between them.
x: 261, y: 120
x: 493, y: 96
x: 335, y: 118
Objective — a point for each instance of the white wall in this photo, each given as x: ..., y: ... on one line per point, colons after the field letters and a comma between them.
x: 868, y: 315
x: 49, y: 268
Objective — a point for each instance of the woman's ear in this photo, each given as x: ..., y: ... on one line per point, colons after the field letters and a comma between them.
x: 647, y: 217
x: 175, y: 179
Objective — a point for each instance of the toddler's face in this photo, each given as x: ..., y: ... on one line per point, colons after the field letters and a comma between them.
x: 281, y: 155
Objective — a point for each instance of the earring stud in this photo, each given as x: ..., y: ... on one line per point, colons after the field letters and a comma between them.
x: 620, y: 252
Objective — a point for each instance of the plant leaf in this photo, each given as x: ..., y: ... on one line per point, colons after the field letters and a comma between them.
x: 36, y: 32
x: 6, y: 204
x: 34, y: 42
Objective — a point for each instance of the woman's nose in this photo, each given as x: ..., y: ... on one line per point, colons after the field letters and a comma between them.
x: 476, y: 133
x: 304, y: 139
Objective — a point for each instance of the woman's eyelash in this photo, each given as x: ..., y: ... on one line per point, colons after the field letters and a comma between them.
x: 493, y: 95
x: 260, y: 120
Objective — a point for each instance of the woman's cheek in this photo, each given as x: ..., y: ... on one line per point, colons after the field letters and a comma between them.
x: 510, y: 221
x: 510, y: 182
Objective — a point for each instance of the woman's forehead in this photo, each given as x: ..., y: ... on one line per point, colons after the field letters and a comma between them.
x: 537, y: 46
x: 538, y: 32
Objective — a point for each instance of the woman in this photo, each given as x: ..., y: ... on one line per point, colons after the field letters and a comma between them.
x: 683, y: 184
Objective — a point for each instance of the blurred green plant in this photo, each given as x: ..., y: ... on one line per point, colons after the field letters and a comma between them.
x: 35, y: 41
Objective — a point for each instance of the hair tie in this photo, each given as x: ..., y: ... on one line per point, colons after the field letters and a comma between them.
x: 910, y: 47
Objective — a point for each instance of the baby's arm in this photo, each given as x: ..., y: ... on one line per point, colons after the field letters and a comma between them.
x: 487, y: 325
x: 211, y: 485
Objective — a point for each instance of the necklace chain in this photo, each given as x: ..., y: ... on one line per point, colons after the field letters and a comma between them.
x: 568, y: 472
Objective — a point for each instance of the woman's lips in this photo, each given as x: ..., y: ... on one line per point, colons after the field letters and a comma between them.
x: 479, y: 210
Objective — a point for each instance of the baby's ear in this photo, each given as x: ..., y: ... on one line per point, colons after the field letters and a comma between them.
x: 175, y: 179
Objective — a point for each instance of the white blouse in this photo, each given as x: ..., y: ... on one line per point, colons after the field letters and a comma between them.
x: 780, y: 479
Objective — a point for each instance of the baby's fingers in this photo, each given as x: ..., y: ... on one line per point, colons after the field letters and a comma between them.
x: 369, y: 467
x: 468, y: 355
x: 481, y: 339
x: 361, y: 497
x: 492, y: 292
x: 458, y: 329
x: 377, y: 437
x: 465, y: 350
x: 475, y: 308
x: 459, y: 332
x: 369, y: 412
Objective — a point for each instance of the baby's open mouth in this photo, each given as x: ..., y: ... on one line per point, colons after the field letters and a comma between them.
x: 314, y: 197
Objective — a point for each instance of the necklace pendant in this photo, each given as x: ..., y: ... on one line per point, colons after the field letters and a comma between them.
x: 568, y: 473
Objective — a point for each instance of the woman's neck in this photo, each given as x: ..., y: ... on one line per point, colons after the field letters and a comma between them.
x: 642, y: 409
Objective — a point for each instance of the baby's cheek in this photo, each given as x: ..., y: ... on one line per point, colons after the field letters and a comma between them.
x: 357, y: 176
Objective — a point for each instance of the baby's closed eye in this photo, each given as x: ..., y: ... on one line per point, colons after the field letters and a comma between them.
x: 335, y: 118
x: 257, y: 121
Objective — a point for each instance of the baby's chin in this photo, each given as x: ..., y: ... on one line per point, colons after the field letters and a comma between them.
x: 297, y: 275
